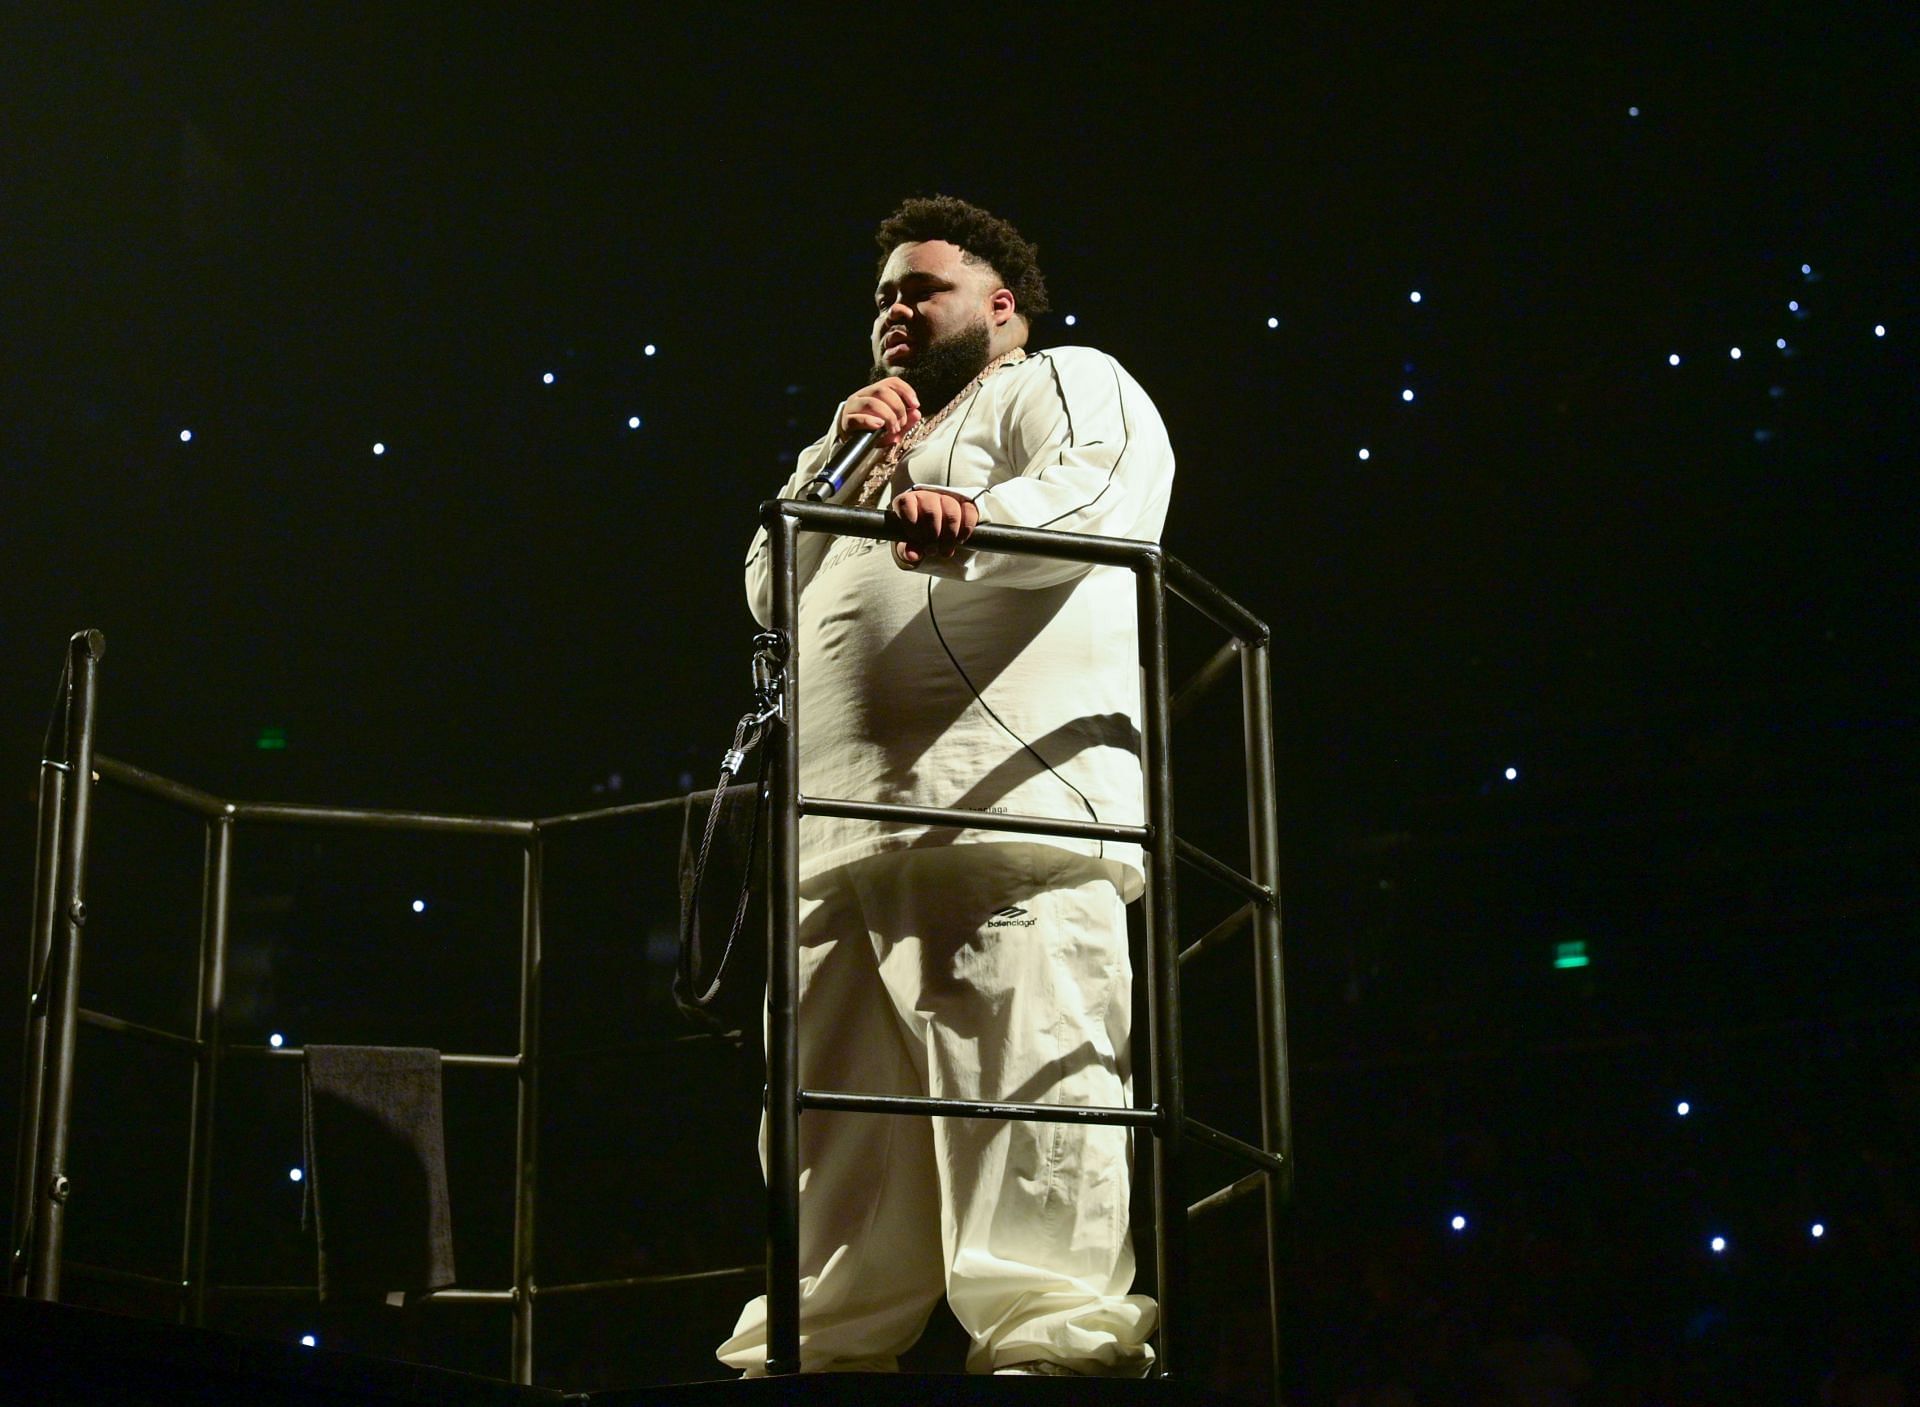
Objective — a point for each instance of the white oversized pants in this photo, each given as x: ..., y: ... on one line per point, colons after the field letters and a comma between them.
x: 995, y: 971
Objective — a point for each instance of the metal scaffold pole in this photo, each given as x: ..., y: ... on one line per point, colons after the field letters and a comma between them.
x: 46, y: 879
x: 783, y: 976
x: 62, y: 985
x: 526, y: 1160
x: 1163, y: 944
x: 218, y: 882
x: 1276, y: 1116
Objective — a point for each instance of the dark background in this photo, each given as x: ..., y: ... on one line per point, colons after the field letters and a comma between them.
x: 1678, y: 601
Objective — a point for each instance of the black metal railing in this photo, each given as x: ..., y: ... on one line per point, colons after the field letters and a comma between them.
x: 1155, y: 574
x: 70, y: 769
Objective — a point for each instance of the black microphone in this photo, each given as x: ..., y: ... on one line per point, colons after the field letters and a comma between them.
x: 833, y: 474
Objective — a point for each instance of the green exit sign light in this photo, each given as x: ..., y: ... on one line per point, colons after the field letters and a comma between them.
x: 272, y: 740
x: 1570, y: 955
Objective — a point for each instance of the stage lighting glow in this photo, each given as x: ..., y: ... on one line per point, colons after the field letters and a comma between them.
x: 547, y: 379
x: 1459, y: 1223
x: 1735, y: 354
x: 1673, y: 359
x: 1366, y: 454
x: 1071, y: 319
x: 1414, y: 297
x: 1781, y: 343
x: 1806, y: 268
x: 1818, y: 1230
x: 294, y: 1175
x: 276, y: 1040
x: 1633, y: 112
x: 1406, y: 395
x: 1719, y: 1244
x: 1879, y: 329
x: 633, y: 422
x: 419, y: 906
x: 309, y: 1341
x: 1512, y: 774
x: 1793, y: 305
x: 185, y: 435
x: 1683, y: 1108
x: 379, y: 448
x: 649, y: 349
x: 1273, y: 322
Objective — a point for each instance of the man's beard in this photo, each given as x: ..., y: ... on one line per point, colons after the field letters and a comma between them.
x: 939, y: 373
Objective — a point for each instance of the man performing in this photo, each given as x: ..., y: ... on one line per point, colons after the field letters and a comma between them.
x: 969, y: 964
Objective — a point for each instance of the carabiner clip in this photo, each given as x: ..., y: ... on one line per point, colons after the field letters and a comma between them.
x: 769, y: 672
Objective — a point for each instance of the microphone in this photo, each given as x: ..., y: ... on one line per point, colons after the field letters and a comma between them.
x: 835, y: 472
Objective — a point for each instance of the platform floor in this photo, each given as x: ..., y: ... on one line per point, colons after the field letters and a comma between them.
x: 54, y: 1355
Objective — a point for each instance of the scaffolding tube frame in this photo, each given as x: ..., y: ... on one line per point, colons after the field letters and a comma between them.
x: 1155, y: 575
x: 71, y: 769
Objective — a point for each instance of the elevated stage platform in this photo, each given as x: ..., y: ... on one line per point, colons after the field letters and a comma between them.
x: 56, y: 1355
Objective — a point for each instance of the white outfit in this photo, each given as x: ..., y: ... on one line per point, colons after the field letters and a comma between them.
x: 995, y: 971
x: 985, y: 681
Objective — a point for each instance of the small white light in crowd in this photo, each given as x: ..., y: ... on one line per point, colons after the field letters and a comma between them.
x: 649, y: 349
x: 633, y: 422
x: 379, y: 448
x: 276, y: 1040
x: 1459, y: 1223
x: 1273, y: 322
x: 1735, y: 354
x: 1819, y: 1230
x: 1406, y: 395
x: 1879, y: 329
x: 1806, y: 268
x: 1673, y: 359
x: 1781, y: 343
x: 1071, y: 319
x: 294, y: 1174
x: 1683, y: 1108
x: 419, y: 906
x: 1719, y: 1244
x: 1414, y: 296
x: 1513, y: 774
x: 1793, y: 305
x: 547, y: 379
x: 309, y: 1341
x: 185, y: 435
x: 1366, y: 454
x: 1633, y: 112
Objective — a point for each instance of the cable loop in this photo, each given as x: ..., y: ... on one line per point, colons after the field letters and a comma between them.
x: 770, y: 654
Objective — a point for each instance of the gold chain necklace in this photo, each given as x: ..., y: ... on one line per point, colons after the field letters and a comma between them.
x: 883, y: 467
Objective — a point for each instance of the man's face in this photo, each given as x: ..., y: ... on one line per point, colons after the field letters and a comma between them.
x: 928, y: 298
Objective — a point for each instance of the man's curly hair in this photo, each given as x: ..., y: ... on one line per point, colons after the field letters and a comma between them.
x: 982, y: 236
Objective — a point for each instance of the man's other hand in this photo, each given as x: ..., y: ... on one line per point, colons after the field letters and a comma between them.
x: 936, y: 523
x: 889, y: 406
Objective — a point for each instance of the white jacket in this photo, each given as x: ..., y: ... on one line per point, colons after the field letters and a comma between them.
x: 985, y: 681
